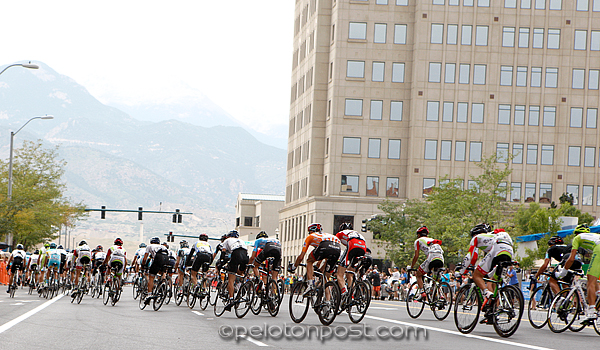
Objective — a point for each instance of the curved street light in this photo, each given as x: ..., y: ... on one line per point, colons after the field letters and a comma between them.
x: 24, y: 65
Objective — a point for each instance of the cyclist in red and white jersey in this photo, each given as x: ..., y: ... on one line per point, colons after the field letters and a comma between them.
x: 432, y: 248
x: 355, y: 246
x: 116, y: 257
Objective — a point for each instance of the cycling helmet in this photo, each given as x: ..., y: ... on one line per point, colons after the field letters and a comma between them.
x: 498, y: 230
x: 262, y: 234
x: 37, y: 252
x: 234, y: 234
x: 166, y: 245
x: 224, y: 237
x: 346, y: 226
x: 203, y: 237
x: 315, y: 227
x: 481, y: 228
x: 118, y: 241
x: 46, y: 245
x: 183, y: 244
x: 60, y: 247
x: 554, y: 240
x: 154, y: 240
x: 99, y: 247
x: 142, y: 245
x: 422, y: 231
x: 82, y: 243
x: 581, y: 228
x: 20, y: 246
x: 52, y: 245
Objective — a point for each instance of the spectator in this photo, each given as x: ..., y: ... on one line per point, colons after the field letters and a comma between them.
x: 375, y: 280
x: 403, y: 284
x: 286, y: 283
x: 512, y: 275
x: 394, y: 281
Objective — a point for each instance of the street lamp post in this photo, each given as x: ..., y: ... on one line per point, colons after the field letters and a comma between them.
x: 10, y: 162
x: 24, y: 65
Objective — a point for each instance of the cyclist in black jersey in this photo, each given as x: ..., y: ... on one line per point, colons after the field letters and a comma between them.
x: 224, y: 257
x: 559, y: 252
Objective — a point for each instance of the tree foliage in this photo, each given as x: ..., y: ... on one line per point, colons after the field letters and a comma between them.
x: 38, y: 207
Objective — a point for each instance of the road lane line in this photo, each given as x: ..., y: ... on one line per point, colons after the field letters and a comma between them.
x: 26, y: 315
x: 253, y: 341
x: 501, y: 341
x: 198, y: 313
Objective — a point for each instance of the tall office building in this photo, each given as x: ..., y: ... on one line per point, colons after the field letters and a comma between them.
x: 390, y: 96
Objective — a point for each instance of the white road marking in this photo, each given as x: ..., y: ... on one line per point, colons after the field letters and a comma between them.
x: 198, y: 313
x: 253, y: 341
x: 493, y: 340
x: 26, y: 315
x: 383, y: 308
x: 17, y: 304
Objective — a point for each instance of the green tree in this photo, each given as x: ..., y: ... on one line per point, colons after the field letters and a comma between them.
x: 38, y: 207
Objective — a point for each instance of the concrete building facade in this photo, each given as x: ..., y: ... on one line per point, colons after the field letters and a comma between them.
x: 257, y: 212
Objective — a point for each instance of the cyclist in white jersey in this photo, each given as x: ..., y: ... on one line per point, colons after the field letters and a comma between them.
x: 32, y: 265
x: 83, y: 257
x: 200, y: 256
x: 160, y: 259
x: 137, y: 257
x: 116, y: 257
x: 237, y: 264
x: 182, y: 261
x: 17, y: 258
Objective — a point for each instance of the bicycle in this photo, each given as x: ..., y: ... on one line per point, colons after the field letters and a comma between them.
x: 13, y: 287
x: 201, y: 291
x: 569, y: 305
x: 357, y: 301
x: 137, y: 280
x: 97, y: 284
x: 112, y: 288
x: 32, y: 281
x: 439, y: 296
x: 243, y: 291
x: 539, y: 303
x: 325, y: 299
x: 182, y: 291
x: 269, y: 298
x: 503, y: 310
x: 159, y: 292
x: 82, y: 287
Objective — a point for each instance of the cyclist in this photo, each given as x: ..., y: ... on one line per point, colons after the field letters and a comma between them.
x: 326, y: 247
x: 116, y: 258
x: 32, y: 264
x: 98, y: 257
x: 63, y: 260
x: 224, y: 257
x: 69, y: 268
x: 561, y: 253
x: 200, y: 253
x: 52, y: 261
x: 265, y: 247
x: 17, y: 258
x: 137, y: 257
x: 498, y: 248
x: 237, y: 263
x: 42, y: 261
x: 590, y: 242
x: 355, y: 246
x: 172, y: 260
x: 82, y: 256
x: 435, y: 256
x: 182, y: 261
x: 160, y: 259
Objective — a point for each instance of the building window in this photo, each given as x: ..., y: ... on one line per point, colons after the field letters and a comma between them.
x: 446, y: 150
x: 510, y: 4
x: 546, y: 193
x: 483, y: 3
x: 521, y: 76
x: 401, y: 2
x: 450, y: 74
x: 376, y: 110
x: 473, y: 185
x: 454, y: 2
x: 464, y: 73
x: 467, y: 34
x: 591, y: 118
x: 529, y: 192
x: 477, y: 113
x: 431, y: 149
x: 589, y: 157
x: 519, y: 115
x: 578, y: 78
x: 380, y: 33
x: 502, y: 152
x: 549, y: 116
x: 551, y: 77
x: 532, y: 151
x: 355, y: 69
x: 554, y: 38
x: 372, y: 186
x: 582, y: 5
x: 595, y: 39
x: 534, y: 115
x: 452, y: 35
x: 538, y: 38
x: 396, y: 110
x: 460, y: 151
x: 391, y: 189
x: 506, y: 75
x: 593, y: 79
x: 468, y: 3
x: 574, y: 156
x: 381, y: 2
x: 397, y: 72
x: 353, y: 107
x: 433, y: 110
x: 475, y: 151
x: 349, y: 183
x: 555, y: 5
x: 479, y: 71
x: 248, y: 221
x: 596, y: 6
x: 540, y: 4
x: 580, y: 42
x: 587, y: 195
x: 357, y: 31
x: 574, y: 190
x: 504, y: 114
x: 448, y: 112
x: 462, y: 109
x: 481, y: 35
x: 374, y: 148
x: 524, y: 37
x: 351, y: 145
x: 517, y: 153
x: 435, y: 72
x: 576, y: 117
x: 515, y: 192
x: 508, y: 36
x: 378, y: 71
x: 547, y: 155
x: 536, y: 76
x: 400, y: 34
x: 437, y: 33
x: 394, y: 149
x: 428, y: 185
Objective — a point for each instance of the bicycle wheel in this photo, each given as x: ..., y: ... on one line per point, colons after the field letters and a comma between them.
x: 359, y: 302
x: 466, y: 309
x: 222, y: 299
x: 563, y: 310
x: 273, y: 298
x: 256, y: 305
x: 508, y: 311
x: 192, y: 296
x: 179, y: 294
x: 204, y: 294
x: 414, y: 306
x: 243, y: 300
x: 169, y: 293
x: 299, y: 303
x: 328, y: 303
x: 115, y: 292
x: 94, y: 290
x: 441, y: 301
x: 136, y: 288
x: 537, y: 308
x: 80, y: 295
x: 107, y: 294
x: 281, y: 290
x: 160, y: 296
x: 214, y: 293
x: 142, y: 295
x: 596, y: 325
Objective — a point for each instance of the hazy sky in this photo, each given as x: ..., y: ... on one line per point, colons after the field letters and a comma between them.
x: 236, y: 52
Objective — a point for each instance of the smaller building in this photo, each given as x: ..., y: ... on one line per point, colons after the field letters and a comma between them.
x: 257, y: 212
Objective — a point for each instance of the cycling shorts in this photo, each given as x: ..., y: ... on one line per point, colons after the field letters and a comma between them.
x: 202, y: 260
x: 17, y: 264
x: 328, y: 250
x: 499, y: 252
x: 594, y: 269
x: 270, y: 251
x: 84, y: 259
x: 435, y: 260
x: 118, y: 262
x: 238, y: 261
x: 159, y: 263
x: 356, y: 247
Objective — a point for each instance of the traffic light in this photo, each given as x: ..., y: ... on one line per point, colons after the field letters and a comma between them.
x: 364, y: 226
x: 170, y: 237
x: 177, y: 217
x: 103, y: 213
x: 140, y: 213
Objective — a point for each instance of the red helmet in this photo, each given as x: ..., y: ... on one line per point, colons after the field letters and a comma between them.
x: 118, y: 241
x: 422, y: 231
x: 99, y: 247
x: 315, y: 228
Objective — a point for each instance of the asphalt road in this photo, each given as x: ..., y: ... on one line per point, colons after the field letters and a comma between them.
x: 28, y: 321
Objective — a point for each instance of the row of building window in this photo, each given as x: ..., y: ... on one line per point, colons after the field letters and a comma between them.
x: 350, y: 183
x: 300, y: 120
x: 358, y: 31
x: 356, y: 69
x: 386, y: 2
x: 299, y: 155
x: 581, y: 5
x: 506, y: 75
x: 354, y: 107
x: 297, y: 190
x: 352, y: 145
x: 576, y: 116
x: 508, y: 36
x: 303, y: 17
